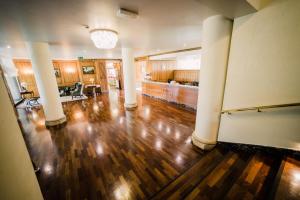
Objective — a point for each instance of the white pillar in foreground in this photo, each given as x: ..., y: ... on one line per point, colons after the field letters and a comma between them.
x: 46, y: 82
x: 215, y: 44
x: 129, y: 78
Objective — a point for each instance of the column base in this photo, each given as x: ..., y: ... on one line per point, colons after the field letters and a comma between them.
x: 202, y: 144
x: 56, y: 122
x: 130, y: 106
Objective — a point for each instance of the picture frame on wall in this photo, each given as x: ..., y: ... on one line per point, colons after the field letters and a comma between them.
x: 88, y: 69
x: 57, y: 73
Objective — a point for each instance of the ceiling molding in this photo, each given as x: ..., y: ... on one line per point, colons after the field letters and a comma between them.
x: 168, y: 52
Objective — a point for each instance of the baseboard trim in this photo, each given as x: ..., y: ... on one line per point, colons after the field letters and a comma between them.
x: 130, y: 106
x: 56, y: 122
x: 255, y: 147
x: 202, y: 144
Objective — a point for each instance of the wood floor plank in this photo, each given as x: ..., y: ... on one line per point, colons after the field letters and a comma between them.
x: 111, y: 153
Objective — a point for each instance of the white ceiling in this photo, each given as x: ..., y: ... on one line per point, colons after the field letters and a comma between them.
x: 162, y: 25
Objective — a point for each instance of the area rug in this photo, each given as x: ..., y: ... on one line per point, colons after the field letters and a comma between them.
x: 69, y: 98
x: 62, y: 99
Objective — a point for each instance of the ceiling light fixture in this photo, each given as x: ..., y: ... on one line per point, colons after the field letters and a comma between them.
x: 104, y: 38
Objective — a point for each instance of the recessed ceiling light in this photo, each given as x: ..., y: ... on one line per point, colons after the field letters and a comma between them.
x: 8, y: 46
x: 184, y: 44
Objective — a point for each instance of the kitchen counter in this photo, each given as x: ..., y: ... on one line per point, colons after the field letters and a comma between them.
x: 186, y: 95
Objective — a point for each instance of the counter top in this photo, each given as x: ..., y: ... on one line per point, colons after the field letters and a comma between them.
x: 180, y: 94
x: 173, y: 85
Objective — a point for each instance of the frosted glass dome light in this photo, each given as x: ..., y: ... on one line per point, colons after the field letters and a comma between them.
x: 104, y: 38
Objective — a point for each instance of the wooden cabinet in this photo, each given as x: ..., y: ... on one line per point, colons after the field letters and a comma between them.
x: 172, y: 93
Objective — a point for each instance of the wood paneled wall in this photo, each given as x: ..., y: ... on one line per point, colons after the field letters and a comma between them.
x: 100, y: 72
x: 25, y: 74
x: 87, y: 78
x: 119, y: 69
x: 186, y: 75
x: 70, y: 72
x: 161, y: 70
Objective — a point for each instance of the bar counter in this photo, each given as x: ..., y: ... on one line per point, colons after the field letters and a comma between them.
x: 176, y: 93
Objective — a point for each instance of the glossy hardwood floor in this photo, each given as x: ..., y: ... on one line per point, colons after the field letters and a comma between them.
x: 105, y: 152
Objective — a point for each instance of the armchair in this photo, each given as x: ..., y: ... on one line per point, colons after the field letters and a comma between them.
x: 73, y: 88
x: 78, y: 91
x: 89, y: 91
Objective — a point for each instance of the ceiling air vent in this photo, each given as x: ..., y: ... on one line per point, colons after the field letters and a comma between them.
x: 125, y: 13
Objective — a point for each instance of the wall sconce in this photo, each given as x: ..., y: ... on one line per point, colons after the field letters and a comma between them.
x: 27, y: 71
x: 70, y: 70
x: 23, y: 86
x: 92, y: 80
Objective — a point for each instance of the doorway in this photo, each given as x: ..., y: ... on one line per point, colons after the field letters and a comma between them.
x: 114, y: 75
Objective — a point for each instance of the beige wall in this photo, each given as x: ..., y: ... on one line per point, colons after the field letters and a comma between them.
x: 17, y: 178
x: 263, y: 69
x: 259, y: 4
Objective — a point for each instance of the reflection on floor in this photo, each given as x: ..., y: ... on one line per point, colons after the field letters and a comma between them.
x: 105, y: 152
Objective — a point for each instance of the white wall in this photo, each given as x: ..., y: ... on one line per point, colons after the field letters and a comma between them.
x: 185, y: 60
x: 11, y: 73
x: 17, y: 178
x: 264, y: 69
x: 188, y: 62
x: 13, y: 85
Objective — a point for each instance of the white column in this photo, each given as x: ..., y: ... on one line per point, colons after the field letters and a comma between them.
x: 215, y: 50
x: 46, y: 83
x: 18, y: 180
x: 129, y: 78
